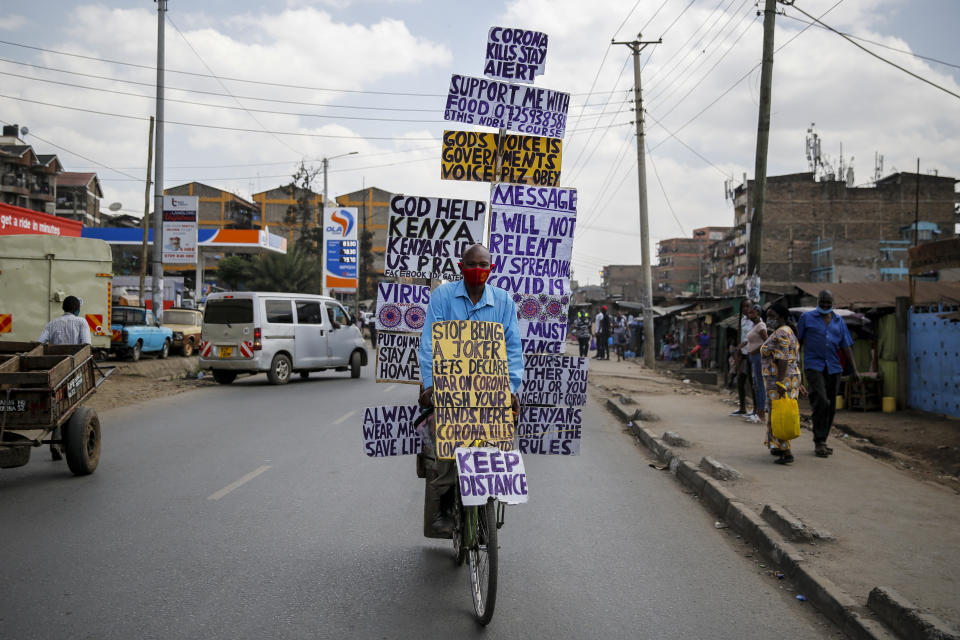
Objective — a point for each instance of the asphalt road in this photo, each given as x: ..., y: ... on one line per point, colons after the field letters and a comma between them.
x: 250, y: 511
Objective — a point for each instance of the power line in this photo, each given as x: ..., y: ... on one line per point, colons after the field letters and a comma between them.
x: 576, y: 160
x: 691, y: 149
x: 230, y: 79
x: 878, y: 56
x: 664, y: 192
x: 80, y: 155
x: 651, y: 81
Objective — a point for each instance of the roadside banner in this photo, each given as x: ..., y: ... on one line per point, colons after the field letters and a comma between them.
x: 471, y: 385
x: 470, y: 156
x: 389, y: 431
x: 401, y: 307
x: 486, y: 472
x: 515, y: 55
x: 492, y: 103
x: 553, y: 431
x: 397, y: 359
x: 179, y: 229
x: 553, y: 380
x: 543, y: 322
x: 340, y: 250
x: 531, y: 238
x: 427, y: 236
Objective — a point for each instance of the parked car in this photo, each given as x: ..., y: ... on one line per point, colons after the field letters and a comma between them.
x: 186, y: 325
x: 135, y: 331
x: 279, y: 333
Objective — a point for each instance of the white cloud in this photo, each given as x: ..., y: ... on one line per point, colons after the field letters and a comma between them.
x: 12, y: 22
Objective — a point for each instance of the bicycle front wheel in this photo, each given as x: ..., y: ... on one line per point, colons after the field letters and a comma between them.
x: 482, y: 556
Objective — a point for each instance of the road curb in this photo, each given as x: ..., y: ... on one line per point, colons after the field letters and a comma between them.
x: 906, y: 618
x: 838, y: 606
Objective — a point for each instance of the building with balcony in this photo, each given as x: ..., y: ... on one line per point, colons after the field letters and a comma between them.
x: 27, y: 179
x: 78, y: 198
x: 683, y: 265
x: 218, y: 208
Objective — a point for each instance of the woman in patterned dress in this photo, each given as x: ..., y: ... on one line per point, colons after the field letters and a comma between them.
x: 780, y: 355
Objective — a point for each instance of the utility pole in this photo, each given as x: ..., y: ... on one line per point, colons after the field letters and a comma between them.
x: 636, y: 46
x: 755, y: 248
x: 158, y: 171
x: 146, y: 215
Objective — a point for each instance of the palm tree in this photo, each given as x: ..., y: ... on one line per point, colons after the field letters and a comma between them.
x: 293, y: 272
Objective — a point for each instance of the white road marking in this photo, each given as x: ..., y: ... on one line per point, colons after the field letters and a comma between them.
x: 238, y: 483
x: 344, y: 417
x: 390, y: 388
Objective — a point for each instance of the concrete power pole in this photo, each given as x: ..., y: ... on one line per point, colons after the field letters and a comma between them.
x: 636, y: 46
x: 158, y: 171
x: 144, y: 258
x: 755, y: 248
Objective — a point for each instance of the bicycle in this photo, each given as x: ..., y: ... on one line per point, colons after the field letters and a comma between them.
x: 475, y: 540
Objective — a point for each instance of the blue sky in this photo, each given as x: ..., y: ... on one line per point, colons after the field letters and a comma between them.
x: 413, y: 47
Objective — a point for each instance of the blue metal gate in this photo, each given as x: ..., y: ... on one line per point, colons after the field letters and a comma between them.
x: 934, y: 352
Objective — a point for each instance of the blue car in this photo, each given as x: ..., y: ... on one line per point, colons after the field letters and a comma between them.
x: 135, y: 331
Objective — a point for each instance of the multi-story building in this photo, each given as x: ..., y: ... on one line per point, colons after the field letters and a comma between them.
x: 623, y: 282
x: 683, y: 263
x: 827, y: 231
x: 27, y: 179
x: 373, y: 207
x: 276, y: 205
x: 78, y: 198
x: 218, y: 208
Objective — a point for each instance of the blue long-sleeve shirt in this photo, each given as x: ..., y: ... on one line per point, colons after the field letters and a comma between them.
x: 451, y: 301
x: 821, y: 341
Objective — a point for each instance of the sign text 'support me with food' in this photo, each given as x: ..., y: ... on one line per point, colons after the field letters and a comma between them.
x: 470, y: 156
x: 491, y: 103
x: 427, y: 236
x: 531, y: 238
x: 389, y: 431
x: 515, y: 55
x: 401, y: 307
x: 554, y: 380
x: 471, y: 385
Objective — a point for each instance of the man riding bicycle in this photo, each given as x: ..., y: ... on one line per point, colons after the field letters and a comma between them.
x: 468, y: 299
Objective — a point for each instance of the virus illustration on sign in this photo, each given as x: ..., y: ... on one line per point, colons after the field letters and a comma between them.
x: 415, y: 317
x: 391, y: 316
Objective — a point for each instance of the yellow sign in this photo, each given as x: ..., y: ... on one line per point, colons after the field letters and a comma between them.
x: 471, y: 156
x: 471, y: 385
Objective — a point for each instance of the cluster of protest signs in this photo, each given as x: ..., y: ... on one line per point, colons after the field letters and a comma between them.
x: 530, y: 221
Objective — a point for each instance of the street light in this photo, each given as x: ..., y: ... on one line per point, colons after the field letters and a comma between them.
x: 326, y: 162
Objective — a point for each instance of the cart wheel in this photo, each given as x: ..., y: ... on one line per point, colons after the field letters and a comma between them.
x: 81, y: 437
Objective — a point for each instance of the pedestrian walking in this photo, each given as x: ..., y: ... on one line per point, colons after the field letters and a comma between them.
x: 742, y: 358
x: 602, y: 332
x: 780, y: 355
x: 823, y: 334
x: 755, y: 339
x: 69, y: 328
x: 581, y: 328
x: 703, y: 341
x: 619, y: 335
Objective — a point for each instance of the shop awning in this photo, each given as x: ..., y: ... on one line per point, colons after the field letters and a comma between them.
x: 211, y: 240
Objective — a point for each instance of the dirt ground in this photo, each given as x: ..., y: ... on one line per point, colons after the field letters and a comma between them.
x: 925, y: 444
x: 122, y: 389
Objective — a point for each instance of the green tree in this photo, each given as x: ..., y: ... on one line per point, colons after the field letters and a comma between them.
x: 294, y: 272
x: 233, y: 272
x: 303, y: 213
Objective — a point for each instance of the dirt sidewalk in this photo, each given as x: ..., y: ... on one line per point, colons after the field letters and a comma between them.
x: 891, y: 527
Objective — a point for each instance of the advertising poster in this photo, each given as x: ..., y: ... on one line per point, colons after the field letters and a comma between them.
x: 471, y: 385
x: 389, y: 431
x: 401, y: 307
x: 470, y: 156
x: 492, y: 103
x: 531, y: 238
x: 340, y: 249
x: 427, y: 236
x: 179, y: 229
x: 515, y: 55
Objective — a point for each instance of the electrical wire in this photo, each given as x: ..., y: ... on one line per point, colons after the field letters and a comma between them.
x: 576, y: 160
x: 677, y: 61
x: 664, y: 192
x: 691, y: 149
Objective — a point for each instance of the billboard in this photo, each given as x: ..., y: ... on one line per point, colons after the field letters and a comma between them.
x: 341, y: 249
x: 180, y: 229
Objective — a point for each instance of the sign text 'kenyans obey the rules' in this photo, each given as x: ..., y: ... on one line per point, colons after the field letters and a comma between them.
x: 427, y: 236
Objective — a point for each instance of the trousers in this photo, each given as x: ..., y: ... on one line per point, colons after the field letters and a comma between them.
x: 584, y: 346
x: 822, y: 387
x: 743, y: 379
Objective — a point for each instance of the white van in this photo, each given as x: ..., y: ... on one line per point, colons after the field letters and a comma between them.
x: 280, y: 333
